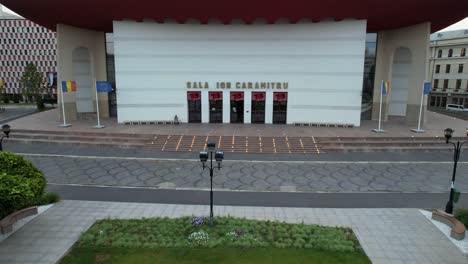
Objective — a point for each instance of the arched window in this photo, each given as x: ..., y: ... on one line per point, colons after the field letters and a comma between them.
x: 439, y: 55
x: 450, y: 54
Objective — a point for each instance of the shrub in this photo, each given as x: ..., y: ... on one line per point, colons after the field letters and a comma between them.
x: 21, y: 183
x: 462, y: 216
x: 48, y: 198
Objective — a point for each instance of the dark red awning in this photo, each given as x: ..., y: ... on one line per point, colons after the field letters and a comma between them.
x: 380, y: 14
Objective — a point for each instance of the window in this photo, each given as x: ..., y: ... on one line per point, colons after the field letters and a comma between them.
x: 444, y: 102
x: 445, y: 84
x: 437, y: 70
x: 436, y: 83
x: 432, y: 101
x: 447, y: 68
x: 458, y: 85
x: 439, y: 54
x: 460, y: 68
x: 462, y: 52
x: 450, y: 53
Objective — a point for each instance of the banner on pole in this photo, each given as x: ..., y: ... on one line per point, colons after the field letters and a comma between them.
x: 68, y: 86
x: 385, y: 87
x: 103, y: 87
x: 427, y: 87
x: 1, y: 84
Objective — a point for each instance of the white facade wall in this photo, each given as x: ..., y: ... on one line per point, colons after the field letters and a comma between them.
x: 323, y: 64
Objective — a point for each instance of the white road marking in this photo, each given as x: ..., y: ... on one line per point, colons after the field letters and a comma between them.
x: 234, y: 161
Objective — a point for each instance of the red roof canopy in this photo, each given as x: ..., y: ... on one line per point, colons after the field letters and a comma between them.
x: 380, y: 14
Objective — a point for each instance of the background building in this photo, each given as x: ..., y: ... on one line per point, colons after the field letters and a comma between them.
x: 21, y: 42
x: 449, y: 69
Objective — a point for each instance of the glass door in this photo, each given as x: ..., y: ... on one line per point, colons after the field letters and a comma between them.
x: 258, y: 107
x: 216, y: 107
x: 194, y: 107
x: 237, y: 107
x: 280, y: 106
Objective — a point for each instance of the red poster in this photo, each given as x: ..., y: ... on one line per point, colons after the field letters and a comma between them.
x: 193, y: 96
x: 280, y: 96
x: 258, y: 96
x: 237, y: 96
x: 215, y: 96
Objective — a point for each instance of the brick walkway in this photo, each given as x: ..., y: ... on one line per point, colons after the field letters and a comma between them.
x: 395, y: 127
x: 271, y: 145
x: 386, y: 235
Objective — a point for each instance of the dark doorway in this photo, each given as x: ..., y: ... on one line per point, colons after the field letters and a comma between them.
x: 237, y: 107
x: 280, y: 106
x: 194, y: 107
x: 258, y: 107
x: 216, y: 107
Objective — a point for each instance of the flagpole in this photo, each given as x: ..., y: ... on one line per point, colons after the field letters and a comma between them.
x: 63, y: 109
x: 419, y: 130
x: 97, y: 108
x: 379, y: 130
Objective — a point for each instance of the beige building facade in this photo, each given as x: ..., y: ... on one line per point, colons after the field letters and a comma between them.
x: 449, y: 69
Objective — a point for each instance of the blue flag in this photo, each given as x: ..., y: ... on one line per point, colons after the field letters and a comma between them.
x: 427, y: 87
x: 103, y: 87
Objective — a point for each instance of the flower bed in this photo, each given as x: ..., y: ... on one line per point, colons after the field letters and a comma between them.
x: 227, y: 232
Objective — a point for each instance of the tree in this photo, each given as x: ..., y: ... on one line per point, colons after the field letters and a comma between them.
x: 32, y: 83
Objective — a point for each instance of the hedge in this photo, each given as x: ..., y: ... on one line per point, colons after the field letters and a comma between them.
x: 21, y: 183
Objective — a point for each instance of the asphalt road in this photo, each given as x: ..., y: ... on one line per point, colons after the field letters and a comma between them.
x: 440, y: 163
x: 271, y: 199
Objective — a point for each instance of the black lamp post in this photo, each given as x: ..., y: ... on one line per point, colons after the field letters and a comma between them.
x: 458, y: 146
x: 219, y: 156
x: 6, y: 131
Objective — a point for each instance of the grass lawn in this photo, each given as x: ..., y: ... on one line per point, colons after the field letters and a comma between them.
x: 209, y: 255
x: 231, y: 240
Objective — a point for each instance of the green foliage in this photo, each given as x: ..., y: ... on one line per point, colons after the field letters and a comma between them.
x: 217, y: 255
x: 32, y: 83
x: 227, y: 232
x: 462, y: 216
x: 47, y: 198
x: 21, y: 183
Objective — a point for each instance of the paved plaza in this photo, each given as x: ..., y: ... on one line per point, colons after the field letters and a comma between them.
x: 387, y: 235
x: 395, y: 127
x: 329, y: 176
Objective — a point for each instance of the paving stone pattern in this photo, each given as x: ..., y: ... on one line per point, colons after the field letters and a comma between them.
x: 386, y: 235
x: 256, y: 176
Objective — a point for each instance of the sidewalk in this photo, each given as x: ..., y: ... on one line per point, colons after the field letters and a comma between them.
x: 387, y: 235
x: 395, y: 127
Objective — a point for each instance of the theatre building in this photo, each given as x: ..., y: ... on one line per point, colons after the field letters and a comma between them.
x: 296, y: 62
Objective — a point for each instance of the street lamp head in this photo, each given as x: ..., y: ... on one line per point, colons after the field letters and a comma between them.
x: 203, y: 158
x: 6, y: 130
x: 211, y: 146
x: 448, y: 134
x: 219, y: 156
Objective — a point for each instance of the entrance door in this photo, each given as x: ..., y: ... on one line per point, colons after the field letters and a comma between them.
x: 280, y: 106
x: 216, y: 107
x: 194, y: 107
x: 258, y: 107
x: 237, y: 107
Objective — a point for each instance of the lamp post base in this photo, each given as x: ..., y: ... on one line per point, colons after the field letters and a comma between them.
x: 65, y: 125
x: 378, y: 130
x: 100, y: 126
x: 418, y: 130
x: 449, y: 207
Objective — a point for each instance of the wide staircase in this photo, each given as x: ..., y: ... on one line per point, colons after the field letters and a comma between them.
x: 239, y: 144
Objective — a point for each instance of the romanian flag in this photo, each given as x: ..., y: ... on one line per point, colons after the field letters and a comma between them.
x: 385, y: 87
x: 68, y: 86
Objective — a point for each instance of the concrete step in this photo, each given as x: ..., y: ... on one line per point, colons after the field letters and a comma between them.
x: 78, y: 138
